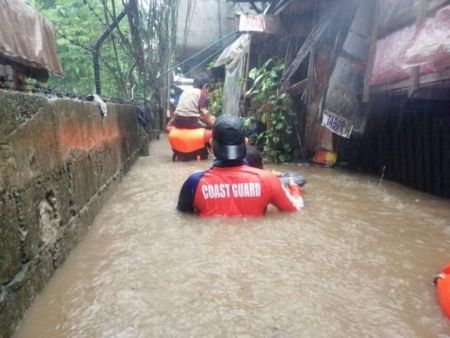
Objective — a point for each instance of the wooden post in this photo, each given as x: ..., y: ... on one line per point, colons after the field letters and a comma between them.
x: 246, y: 71
x: 310, y: 80
x: 418, y: 145
x: 371, y: 54
x: 436, y: 157
x: 415, y: 72
x: 427, y: 149
x: 446, y: 155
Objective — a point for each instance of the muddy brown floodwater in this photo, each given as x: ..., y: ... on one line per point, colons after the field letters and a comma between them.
x: 358, y: 262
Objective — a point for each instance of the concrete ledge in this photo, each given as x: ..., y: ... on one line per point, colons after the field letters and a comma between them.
x: 60, y: 160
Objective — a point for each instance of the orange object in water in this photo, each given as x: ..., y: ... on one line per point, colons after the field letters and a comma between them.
x: 187, y: 140
x: 443, y: 289
x: 189, y: 144
x: 325, y: 157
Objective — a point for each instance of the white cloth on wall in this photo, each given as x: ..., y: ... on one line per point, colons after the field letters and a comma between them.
x: 233, y: 60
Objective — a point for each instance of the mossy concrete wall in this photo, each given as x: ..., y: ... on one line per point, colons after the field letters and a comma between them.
x: 59, y: 162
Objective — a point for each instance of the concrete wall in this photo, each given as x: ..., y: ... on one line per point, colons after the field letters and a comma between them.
x: 59, y: 162
x: 201, y: 23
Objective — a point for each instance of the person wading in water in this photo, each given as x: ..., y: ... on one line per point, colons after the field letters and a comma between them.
x: 231, y: 187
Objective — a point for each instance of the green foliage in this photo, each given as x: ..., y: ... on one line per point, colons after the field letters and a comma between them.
x: 71, y: 19
x: 273, y: 110
x: 130, y: 57
x: 210, y: 65
x: 216, y: 99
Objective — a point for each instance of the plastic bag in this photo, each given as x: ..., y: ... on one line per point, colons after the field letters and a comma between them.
x: 390, y: 53
x: 432, y: 42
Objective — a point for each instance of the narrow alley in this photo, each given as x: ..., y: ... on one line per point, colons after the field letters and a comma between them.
x: 334, y: 111
x: 358, y: 261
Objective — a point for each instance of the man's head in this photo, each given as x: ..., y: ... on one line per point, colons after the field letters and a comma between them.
x: 253, y: 157
x: 201, y: 81
x: 228, y: 138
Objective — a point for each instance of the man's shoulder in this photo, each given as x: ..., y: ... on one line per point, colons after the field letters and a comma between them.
x: 191, y: 91
x: 191, y: 183
x: 197, y: 175
x: 244, y: 169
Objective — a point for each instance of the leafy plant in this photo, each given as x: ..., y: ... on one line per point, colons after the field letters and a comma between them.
x: 272, y: 109
x: 216, y: 99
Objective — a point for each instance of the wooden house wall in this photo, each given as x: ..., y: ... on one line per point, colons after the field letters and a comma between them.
x: 410, y: 139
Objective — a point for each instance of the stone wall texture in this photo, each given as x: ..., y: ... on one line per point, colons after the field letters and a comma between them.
x: 60, y: 160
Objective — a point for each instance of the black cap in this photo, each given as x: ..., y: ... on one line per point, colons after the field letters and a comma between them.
x: 229, y: 138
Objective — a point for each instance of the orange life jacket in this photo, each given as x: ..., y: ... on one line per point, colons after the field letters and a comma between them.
x: 188, y: 140
x: 443, y: 289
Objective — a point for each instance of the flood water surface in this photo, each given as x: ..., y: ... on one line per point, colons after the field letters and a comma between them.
x: 357, y: 262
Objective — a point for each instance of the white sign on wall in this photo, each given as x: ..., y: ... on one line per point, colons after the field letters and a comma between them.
x: 336, y: 124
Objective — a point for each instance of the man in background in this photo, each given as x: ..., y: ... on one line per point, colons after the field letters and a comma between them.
x: 191, y: 111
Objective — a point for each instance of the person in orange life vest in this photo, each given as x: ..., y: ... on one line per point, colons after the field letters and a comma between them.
x: 191, y: 111
x: 231, y: 187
